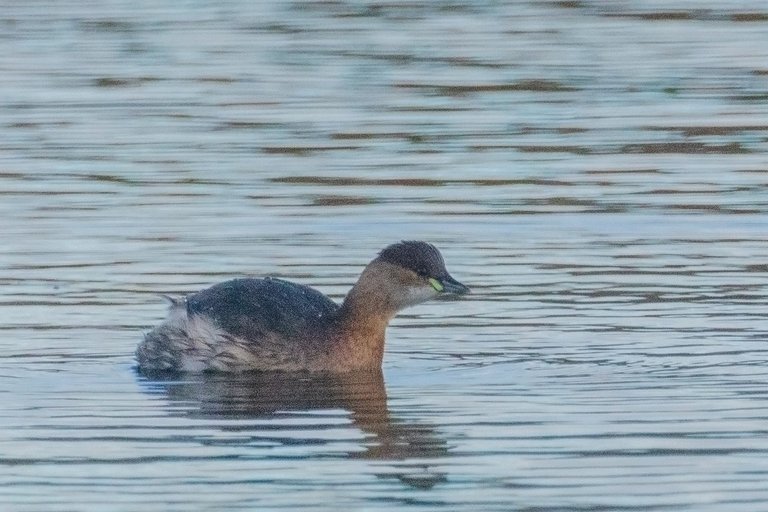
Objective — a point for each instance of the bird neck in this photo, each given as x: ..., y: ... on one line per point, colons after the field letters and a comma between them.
x: 365, y: 314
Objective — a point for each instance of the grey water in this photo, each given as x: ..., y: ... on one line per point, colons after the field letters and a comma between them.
x: 597, y: 172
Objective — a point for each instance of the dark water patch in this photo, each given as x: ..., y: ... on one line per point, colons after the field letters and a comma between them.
x: 566, y: 202
x: 23, y: 125
x: 599, y: 172
x: 403, y: 59
x: 749, y: 17
x: 568, y: 130
x: 111, y: 178
x: 461, y: 90
x: 217, y: 80
x: 698, y: 131
x: 559, y: 130
x: 71, y: 208
x: 428, y: 109
x: 712, y: 15
x: 13, y: 176
x: 703, y: 14
x: 684, y: 147
x: 715, y: 208
x: 246, y: 125
x: 62, y: 193
x: 657, y: 16
x: 705, y: 189
x: 413, y: 182
x: 108, y: 25
x: 751, y: 98
x: 466, y: 62
x: 413, y: 138
x: 113, y: 82
x: 199, y: 181
x: 396, y: 11
x: 272, y: 27
x: 304, y: 150
x: 332, y: 201
x: 568, y: 4
x: 358, y: 182
x: 576, y: 150
x: 751, y: 171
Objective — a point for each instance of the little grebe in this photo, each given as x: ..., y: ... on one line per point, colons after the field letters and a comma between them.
x: 272, y: 324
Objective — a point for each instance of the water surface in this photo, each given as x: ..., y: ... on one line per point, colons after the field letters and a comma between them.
x: 597, y: 172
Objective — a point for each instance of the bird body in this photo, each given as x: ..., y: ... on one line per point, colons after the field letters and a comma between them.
x: 276, y: 325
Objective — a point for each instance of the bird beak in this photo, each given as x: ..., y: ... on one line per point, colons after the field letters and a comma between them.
x: 448, y: 284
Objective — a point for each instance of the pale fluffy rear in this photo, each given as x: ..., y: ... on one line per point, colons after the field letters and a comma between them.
x: 194, y: 343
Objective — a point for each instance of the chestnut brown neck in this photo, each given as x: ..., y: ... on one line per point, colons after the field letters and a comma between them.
x: 366, y: 312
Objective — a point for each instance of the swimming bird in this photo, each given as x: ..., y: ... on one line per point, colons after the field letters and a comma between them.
x: 272, y: 324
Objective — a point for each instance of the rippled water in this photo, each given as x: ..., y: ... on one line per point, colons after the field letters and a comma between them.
x: 596, y: 171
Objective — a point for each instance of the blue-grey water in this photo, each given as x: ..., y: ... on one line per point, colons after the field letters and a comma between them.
x: 596, y: 171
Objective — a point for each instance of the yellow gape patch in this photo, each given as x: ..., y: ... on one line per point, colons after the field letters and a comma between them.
x: 437, y: 285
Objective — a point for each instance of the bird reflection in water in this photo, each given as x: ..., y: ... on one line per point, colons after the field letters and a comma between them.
x: 275, y: 395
